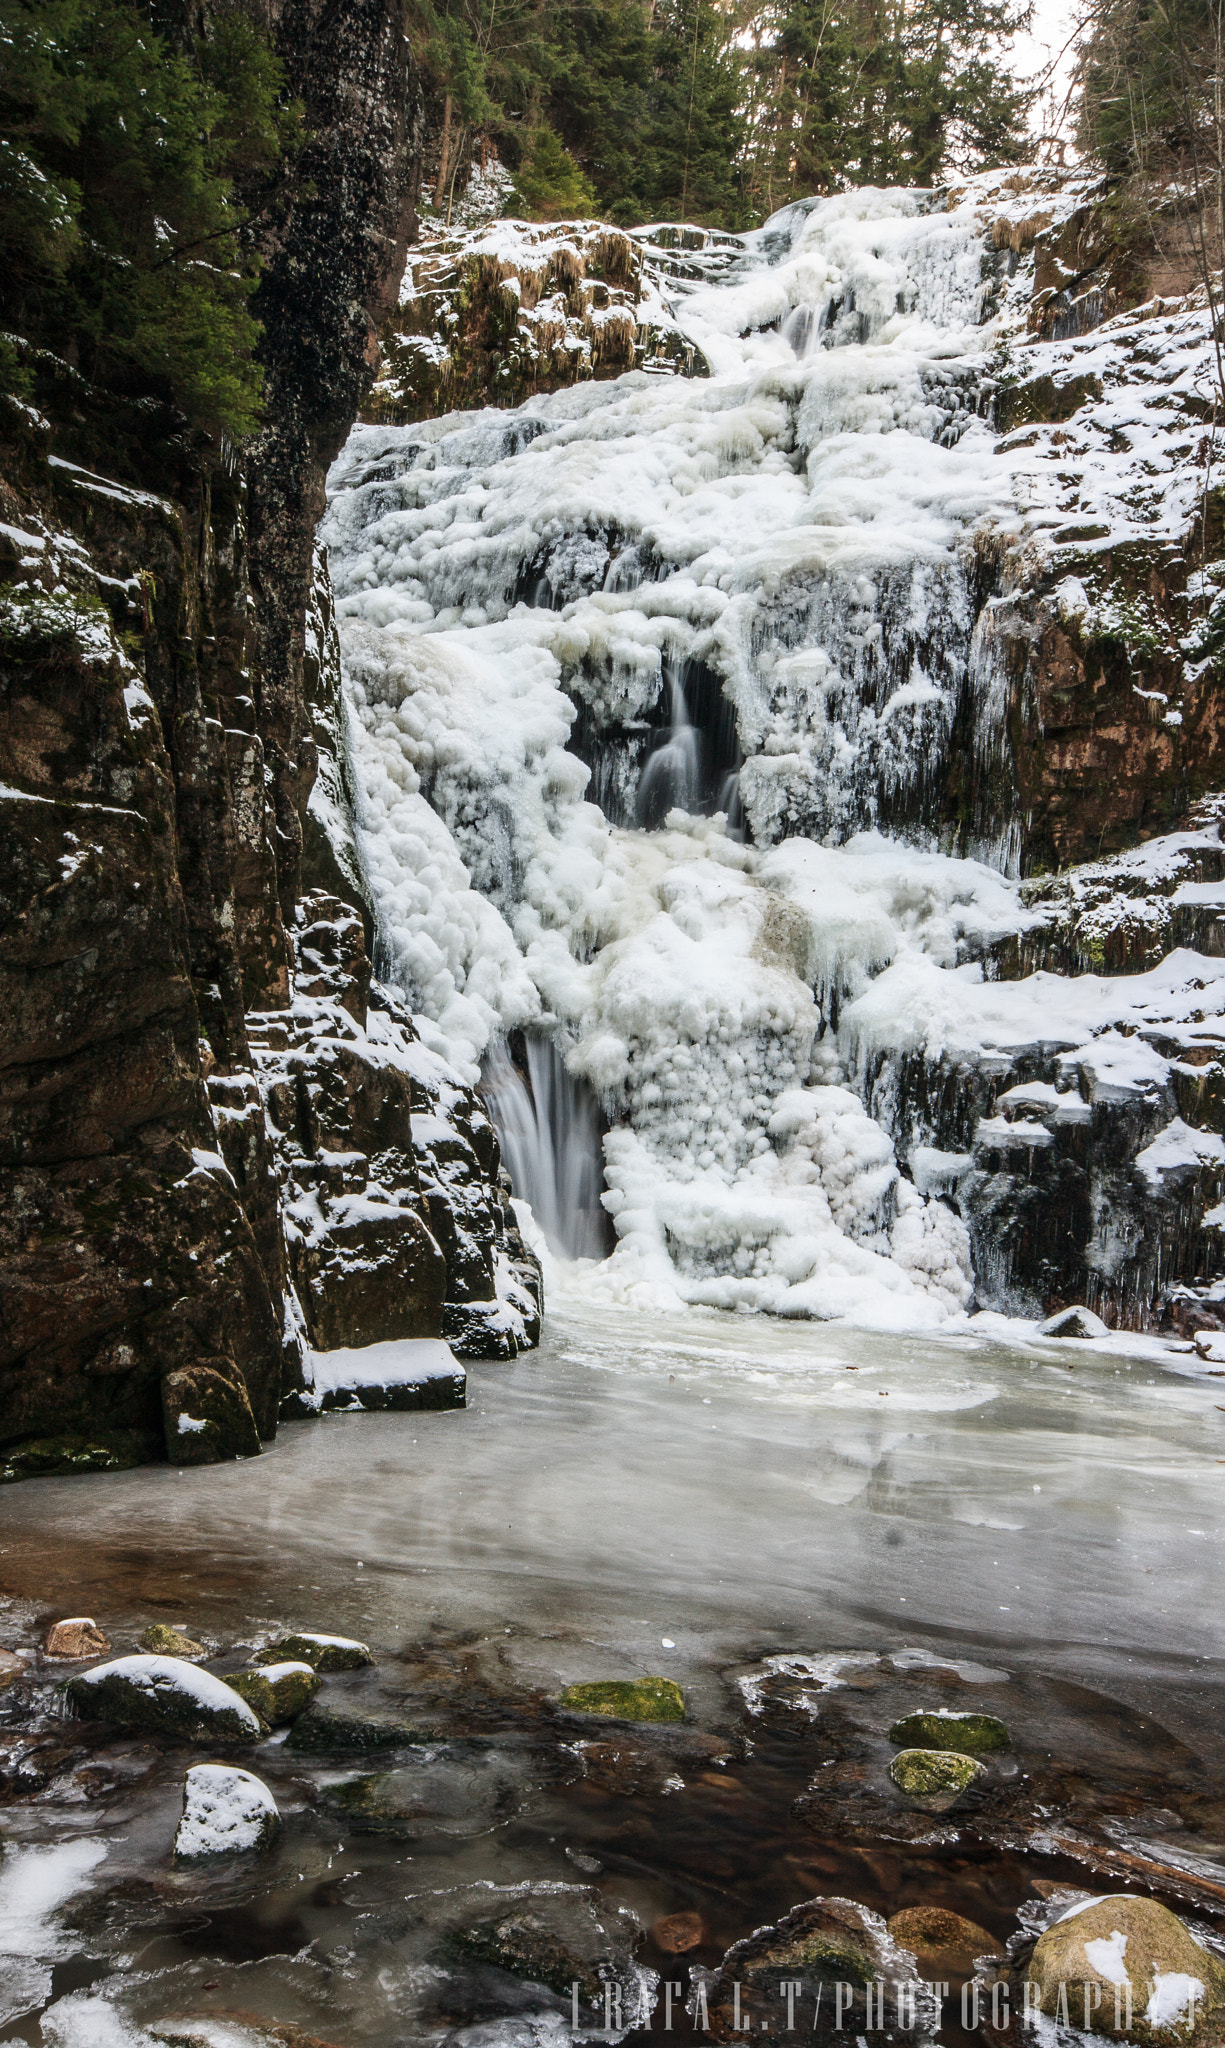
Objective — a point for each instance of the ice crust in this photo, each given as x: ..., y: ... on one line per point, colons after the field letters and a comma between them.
x: 805, y: 526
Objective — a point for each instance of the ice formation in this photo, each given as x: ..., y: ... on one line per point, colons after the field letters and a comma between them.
x: 743, y: 611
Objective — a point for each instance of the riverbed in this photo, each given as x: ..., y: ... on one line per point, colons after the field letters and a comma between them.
x: 809, y: 1528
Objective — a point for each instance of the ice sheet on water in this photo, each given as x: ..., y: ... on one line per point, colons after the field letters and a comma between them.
x: 34, y: 1884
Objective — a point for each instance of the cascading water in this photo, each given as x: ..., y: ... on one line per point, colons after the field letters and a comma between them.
x: 770, y: 593
x: 548, y: 1123
x: 672, y: 775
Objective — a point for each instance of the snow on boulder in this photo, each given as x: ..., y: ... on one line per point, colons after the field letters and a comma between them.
x: 1138, y: 1953
x: 278, y: 1692
x: 1073, y: 1322
x: 166, y: 1694
x: 224, y: 1809
x: 322, y: 1653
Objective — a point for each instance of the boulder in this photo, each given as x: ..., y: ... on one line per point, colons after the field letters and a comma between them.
x: 557, y: 1935
x: 1074, y: 1322
x: 970, y: 1734
x: 165, y: 1694
x: 932, y: 1931
x: 322, y: 1653
x: 79, y: 1637
x: 326, y: 1727
x: 207, y: 1415
x: 277, y: 1692
x: 819, y: 1947
x: 934, y: 1773
x: 1135, y: 1948
x: 627, y: 1699
x: 224, y: 1810
x: 163, y: 1641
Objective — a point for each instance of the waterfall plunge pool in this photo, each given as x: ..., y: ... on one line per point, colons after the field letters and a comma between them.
x: 826, y: 1526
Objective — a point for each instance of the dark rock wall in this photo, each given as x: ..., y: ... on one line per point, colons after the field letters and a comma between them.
x: 166, y: 667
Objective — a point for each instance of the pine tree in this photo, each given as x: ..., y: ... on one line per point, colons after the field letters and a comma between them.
x: 121, y: 230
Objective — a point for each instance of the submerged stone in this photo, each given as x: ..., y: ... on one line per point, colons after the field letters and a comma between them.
x: 162, y: 1640
x: 277, y: 1692
x: 1121, y: 1950
x: 627, y: 1699
x: 934, y: 1931
x: 326, y: 1726
x: 224, y: 1810
x: 934, y: 1773
x: 969, y: 1734
x: 322, y: 1653
x: 165, y: 1694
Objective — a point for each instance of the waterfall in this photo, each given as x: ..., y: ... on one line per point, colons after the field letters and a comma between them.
x: 549, y: 1125
x: 672, y: 775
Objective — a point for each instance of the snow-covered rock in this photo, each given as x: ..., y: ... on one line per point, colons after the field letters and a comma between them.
x: 224, y: 1810
x: 321, y: 1652
x: 166, y: 1694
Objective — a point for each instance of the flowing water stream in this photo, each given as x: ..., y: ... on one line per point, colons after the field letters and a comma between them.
x: 895, y: 1522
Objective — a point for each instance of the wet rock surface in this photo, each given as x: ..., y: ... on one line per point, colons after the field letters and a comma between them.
x: 530, y: 1872
x: 168, y: 669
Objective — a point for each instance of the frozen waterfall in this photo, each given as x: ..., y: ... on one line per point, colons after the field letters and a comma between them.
x: 676, y: 722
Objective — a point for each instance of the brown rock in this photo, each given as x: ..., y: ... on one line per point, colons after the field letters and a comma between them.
x: 677, y: 1933
x: 11, y: 1667
x: 933, y: 1931
x: 79, y: 1637
x: 208, y: 1415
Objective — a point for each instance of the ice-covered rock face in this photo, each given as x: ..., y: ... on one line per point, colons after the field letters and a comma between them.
x: 772, y: 599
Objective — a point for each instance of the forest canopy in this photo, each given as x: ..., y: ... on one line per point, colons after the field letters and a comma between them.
x: 720, y: 112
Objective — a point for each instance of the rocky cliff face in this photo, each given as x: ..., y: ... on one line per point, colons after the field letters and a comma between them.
x: 201, y: 1111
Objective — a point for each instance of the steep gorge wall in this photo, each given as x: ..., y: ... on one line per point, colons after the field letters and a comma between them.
x: 157, y: 756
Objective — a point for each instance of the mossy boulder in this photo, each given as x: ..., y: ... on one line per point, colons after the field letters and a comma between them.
x: 556, y: 1936
x: 113, y: 1450
x: 1140, y: 1951
x: 164, y: 1694
x: 934, y: 1773
x: 277, y: 1692
x: 968, y: 1734
x: 627, y: 1699
x: 822, y: 1944
x: 163, y: 1641
x: 322, y: 1653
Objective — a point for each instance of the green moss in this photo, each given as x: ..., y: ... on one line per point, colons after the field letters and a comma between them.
x: 968, y: 1734
x: 163, y: 1641
x: 322, y: 1653
x: 109, y: 1450
x: 277, y: 1699
x: 628, y: 1699
x: 933, y: 1773
x: 823, y: 1955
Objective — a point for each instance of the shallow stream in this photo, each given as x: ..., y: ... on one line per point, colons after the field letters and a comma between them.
x: 1032, y: 1529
